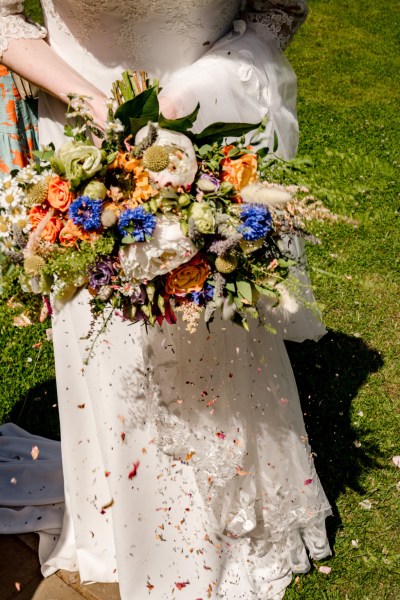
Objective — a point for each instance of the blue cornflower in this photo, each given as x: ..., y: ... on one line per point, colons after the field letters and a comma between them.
x: 256, y: 222
x: 86, y: 212
x: 138, y: 223
x: 201, y: 298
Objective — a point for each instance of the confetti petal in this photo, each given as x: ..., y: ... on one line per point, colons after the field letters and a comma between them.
x: 365, y: 504
x: 308, y: 481
x: 325, y: 570
x: 35, y: 452
x: 17, y: 586
x: 396, y: 460
x: 182, y: 584
x: 133, y: 473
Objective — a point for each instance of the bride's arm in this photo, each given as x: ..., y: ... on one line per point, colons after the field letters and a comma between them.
x: 23, y: 50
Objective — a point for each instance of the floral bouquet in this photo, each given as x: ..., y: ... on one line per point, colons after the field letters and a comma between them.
x: 156, y: 221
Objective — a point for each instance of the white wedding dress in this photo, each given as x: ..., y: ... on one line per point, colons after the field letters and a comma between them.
x: 186, y: 465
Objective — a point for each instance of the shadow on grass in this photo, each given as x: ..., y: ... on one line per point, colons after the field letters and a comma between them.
x: 38, y: 412
x: 329, y: 374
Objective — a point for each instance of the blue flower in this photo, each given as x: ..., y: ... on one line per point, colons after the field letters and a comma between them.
x: 256, y: 222
x: 86, y: 213
x: 138, y: 223
x: 201, y: 298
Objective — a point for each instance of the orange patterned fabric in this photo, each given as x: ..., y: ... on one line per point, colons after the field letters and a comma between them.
x: 18, y: 125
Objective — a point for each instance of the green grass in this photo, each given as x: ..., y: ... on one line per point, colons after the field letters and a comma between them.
x: 347, y: 61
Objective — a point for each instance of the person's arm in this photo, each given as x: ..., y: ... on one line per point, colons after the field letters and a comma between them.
x: 23, y: 50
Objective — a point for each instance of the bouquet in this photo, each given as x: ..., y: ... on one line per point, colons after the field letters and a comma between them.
x: 154, y: 222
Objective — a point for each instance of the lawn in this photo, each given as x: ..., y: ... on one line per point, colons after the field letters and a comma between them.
x: 347, y: 60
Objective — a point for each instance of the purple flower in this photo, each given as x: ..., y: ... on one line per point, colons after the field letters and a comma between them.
x: 101, y: 273
x: 86, y: 213
x: 208, y: 183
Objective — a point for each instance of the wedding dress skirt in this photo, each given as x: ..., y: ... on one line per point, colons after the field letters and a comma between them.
x: 186, y: 464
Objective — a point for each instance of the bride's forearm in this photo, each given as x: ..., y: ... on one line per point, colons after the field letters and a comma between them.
x: 36, y: 61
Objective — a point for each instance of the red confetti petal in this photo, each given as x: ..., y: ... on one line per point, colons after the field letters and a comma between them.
x: 181, y: 585
x: 221, y: 435
x: 133, y: 473
x: 308, y: 481
x: 123, y: 436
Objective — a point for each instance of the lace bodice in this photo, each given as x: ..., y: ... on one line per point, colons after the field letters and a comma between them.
x: 189, y: 23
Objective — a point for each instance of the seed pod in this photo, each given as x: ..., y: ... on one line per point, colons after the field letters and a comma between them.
x: 226, y: 264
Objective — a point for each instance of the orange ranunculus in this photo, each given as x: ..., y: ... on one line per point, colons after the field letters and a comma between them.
x: 71, y: 233
x: 37, y: 214
x: 189, y: 277
x: 59, y: 195
x: 51, y: 230
x: 239, y: 171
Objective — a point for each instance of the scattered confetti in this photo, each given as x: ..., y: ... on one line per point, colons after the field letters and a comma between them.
x: 240, y: 472
x: 221, y: 435
x: 123, y: 436
x: 325, y: 570
x: 212, y: 402
x: 108, y: 505
x: 22, y: 320
x: 308, y: 481
x: 360, y: 413
x: 38, y: 345
x: 133, y: 473
x: 107, y: 473
x: 189, y: 455
x: 396, y: 460
x: 17, y: 586
x: 354, y: 543
x: 284, y: 401
x: 49, y: 334
x: 81, y: 406
x: 365, y: 504
x: 357, y: 444
x: 182, y: 585
x: 13, y: 480
x: 35, y: 452
x: 149, y: 586
x: 29, y: 359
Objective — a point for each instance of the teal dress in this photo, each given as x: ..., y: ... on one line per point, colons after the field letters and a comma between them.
x: 18, y: 125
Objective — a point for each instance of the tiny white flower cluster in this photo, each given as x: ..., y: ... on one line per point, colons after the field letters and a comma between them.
x: 13, y: 209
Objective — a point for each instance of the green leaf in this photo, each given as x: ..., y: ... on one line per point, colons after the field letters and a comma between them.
x: 230, y: 286
x: 182, y: 125
x: 276, y: 141
x: 136, y: 113
x: 128, y: 239
x: 218, y: 131
x: 265, y: 291
x: 244, y: 289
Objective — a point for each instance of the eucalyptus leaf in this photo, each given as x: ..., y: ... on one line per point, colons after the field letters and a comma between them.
x: 276, y: 141
x: 244, y: 289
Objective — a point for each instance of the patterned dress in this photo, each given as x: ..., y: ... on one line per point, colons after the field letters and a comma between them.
x: 18, y: 125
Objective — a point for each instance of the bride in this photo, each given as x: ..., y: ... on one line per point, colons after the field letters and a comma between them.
x: 185, y: 459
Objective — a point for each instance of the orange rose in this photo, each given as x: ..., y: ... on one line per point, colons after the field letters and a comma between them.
x: 189, y: 277
x: 59, y: 195
x: 37, y: 214
x: 239, y: 171
x: 71, y: 233
x: 51, y: 230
